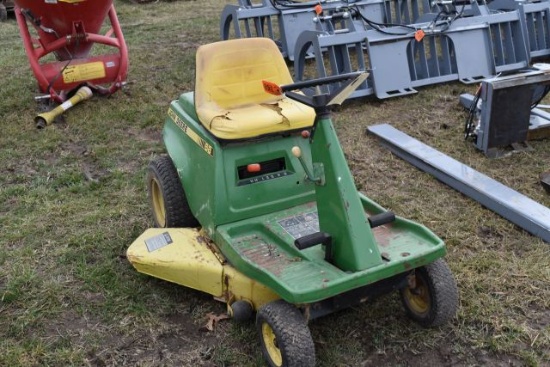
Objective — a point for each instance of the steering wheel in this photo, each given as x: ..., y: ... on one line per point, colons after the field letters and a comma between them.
x: 319, y: 100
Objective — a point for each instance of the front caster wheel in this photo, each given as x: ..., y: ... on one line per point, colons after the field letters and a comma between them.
x: 284, y: 336
x: 431, y: 299
x: 241, y: 310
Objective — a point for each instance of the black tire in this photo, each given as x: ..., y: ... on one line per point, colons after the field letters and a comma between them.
x: 284, y: 336
x: 167, y: 196
x: 434, y: 299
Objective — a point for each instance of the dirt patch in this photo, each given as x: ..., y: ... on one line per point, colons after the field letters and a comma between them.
x: 442, y: 357
x: 178, y: 342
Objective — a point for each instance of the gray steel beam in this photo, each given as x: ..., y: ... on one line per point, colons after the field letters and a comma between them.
x: 517, y: 208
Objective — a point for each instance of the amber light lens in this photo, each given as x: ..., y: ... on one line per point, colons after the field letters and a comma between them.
x: 254, y: 167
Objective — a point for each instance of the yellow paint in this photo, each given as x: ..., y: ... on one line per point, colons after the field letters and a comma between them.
x: 187, y: 260
x: 47, y: 118
x: 190, y: 132
x: 71, y: 1
x: 270, y: 342
x: 83, y: 72
x: 159, y: 211
x: 190, y: 261
x: 239, y: 286
x: 418, y: 298
x: 230, y: 99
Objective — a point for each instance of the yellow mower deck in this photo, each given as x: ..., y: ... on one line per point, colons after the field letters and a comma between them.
x: 186, y: 256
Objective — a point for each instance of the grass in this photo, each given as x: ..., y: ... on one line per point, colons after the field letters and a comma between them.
x: 73, y: 198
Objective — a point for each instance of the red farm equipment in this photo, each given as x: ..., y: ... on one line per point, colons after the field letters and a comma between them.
x: 59, y: 36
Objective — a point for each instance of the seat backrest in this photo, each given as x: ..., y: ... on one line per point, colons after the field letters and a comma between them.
x: 229, y: 73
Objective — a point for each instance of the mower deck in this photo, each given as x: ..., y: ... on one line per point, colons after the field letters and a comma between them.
x: 186, y: 256
x: 263, y: 248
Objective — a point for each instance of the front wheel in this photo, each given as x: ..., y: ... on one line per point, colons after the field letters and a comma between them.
x: 284, y: 336
x: 167, y: 197
x: 431, y: 299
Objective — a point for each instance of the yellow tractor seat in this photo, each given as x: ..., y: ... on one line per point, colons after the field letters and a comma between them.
x: 229, y: 96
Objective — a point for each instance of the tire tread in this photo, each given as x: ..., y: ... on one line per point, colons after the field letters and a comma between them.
x: 290, y: 327
x: 178, y: 213
x: 443, y: 294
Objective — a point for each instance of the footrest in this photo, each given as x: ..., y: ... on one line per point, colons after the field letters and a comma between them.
x: 317, y: 238
x: 381, y: 219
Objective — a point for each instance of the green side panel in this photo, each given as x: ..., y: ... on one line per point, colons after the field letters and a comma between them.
x: 262, y: 248
x: 340, y: 211
x: 216, y: 191
x: 284, y: 188
x: 195, y: 165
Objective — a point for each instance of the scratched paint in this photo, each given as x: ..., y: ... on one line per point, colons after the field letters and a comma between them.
x: 264, y: 255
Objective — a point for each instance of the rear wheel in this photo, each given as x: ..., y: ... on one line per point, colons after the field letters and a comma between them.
x: 167, y: 197
x: 431, y: 299
x: 284, y: 336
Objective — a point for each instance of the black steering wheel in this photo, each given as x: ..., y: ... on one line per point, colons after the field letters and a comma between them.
x: 320, y: 100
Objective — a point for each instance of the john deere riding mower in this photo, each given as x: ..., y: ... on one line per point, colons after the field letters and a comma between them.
x: 255, y: 204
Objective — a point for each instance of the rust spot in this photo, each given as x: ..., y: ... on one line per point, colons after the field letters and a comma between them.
x: 202, y: 240
x: 265, y: 255
x: 386, y: 233
x: 382, y: 236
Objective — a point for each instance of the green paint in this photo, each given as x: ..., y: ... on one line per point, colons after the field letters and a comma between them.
x: 250, y: 218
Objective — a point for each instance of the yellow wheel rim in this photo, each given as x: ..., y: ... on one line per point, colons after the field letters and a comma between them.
x: 157, y: 201
x: 270, y: 342
x: 418, y: 298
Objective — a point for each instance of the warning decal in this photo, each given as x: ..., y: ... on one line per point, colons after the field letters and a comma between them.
x: 158, y: 241
x: 301, y: 225
x: 83, y: 72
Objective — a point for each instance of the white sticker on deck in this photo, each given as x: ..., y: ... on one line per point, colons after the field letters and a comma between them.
x: 301, y: 225
x: 158, y: 241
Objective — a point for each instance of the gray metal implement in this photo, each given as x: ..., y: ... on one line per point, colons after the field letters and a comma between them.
x: 517, y: 208
x: 283, y: 24
x: 468, y: 49
x: 537, y: 23
x: 404, y: 44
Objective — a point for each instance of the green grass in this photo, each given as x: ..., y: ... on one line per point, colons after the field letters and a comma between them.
x: 72, y: 198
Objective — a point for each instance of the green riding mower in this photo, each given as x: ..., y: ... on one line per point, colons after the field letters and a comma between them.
x: 255, y: 205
